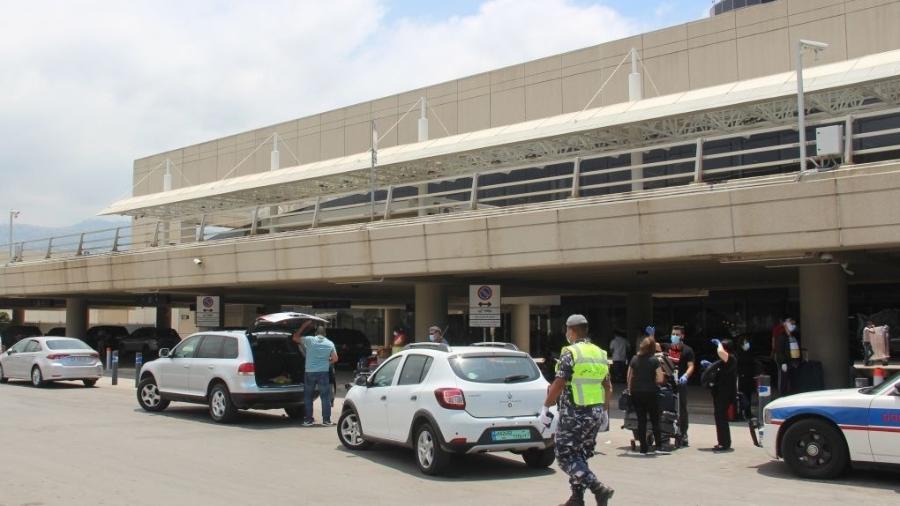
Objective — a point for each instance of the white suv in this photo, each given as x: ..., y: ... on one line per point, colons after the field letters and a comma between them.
x: 441, y: 401
x: 228, y: 370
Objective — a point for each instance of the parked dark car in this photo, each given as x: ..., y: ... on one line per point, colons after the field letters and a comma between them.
x: 101, y: 337
x: 148, y: 341
x: 12, y: 334
x: 351, y: 345
x: 56, y: 332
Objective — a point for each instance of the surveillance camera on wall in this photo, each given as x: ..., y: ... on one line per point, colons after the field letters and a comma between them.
x: 198, y: 261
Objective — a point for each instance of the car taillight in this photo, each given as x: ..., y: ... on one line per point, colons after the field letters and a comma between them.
x: 247, y: 369
x: 450, y: 398
x: 57, y: 356
x: 95, y: 355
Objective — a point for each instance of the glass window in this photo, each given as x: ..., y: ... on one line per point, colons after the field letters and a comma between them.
x: 211, y: 347
x: 414, y: 369
x: 66, y: 344
x: 385, y: 375
x: 33, y: 346
x: 495, y: 368
x: 19, y: 347
x: 229, y: 347
x: 186, y: 348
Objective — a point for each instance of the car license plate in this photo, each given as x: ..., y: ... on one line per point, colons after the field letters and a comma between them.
x: 510, y: 435
x: 80, y: 360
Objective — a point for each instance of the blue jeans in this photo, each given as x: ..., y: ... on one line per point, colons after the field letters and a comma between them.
x: 320, y: 381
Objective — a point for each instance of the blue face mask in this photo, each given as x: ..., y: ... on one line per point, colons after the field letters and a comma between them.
x: 675, y: 339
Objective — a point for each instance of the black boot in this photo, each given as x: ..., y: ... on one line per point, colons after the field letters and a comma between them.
x: 603, y: 494
x: 576, y: 499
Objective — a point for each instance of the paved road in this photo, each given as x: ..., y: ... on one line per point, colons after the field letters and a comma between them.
x: 68, y: 445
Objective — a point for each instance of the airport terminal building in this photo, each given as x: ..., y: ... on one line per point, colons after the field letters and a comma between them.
x: 658, y: 179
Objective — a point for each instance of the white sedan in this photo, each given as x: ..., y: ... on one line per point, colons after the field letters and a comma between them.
x: 47, y: 358
x: 818, y: 434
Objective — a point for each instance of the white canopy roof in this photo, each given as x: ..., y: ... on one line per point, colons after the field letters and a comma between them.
x: 830, y: 88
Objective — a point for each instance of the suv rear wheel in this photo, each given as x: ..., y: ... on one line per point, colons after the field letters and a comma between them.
x: 149, y: 397
x: 350, y: 431
x: 431, y: 458
x: 539, y: 459
x: 221, y: 409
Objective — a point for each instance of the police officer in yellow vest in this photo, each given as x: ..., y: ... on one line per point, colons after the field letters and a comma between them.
x: 582, y: 390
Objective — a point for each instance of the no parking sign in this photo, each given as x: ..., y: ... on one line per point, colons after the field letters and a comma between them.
x: 484, y: 306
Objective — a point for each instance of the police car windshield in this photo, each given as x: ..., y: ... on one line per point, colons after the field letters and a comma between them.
x: 883, y: 387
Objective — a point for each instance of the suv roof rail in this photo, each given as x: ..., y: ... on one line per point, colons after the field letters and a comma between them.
x: 496, y: 344
x: 428, y: 346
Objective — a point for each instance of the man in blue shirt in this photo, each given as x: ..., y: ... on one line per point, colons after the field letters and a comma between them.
x: 320, y: 355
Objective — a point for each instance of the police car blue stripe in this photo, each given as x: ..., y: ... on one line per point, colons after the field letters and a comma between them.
x: 844, y: 416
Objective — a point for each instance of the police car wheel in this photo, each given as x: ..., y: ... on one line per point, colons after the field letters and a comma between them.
x: 815, y: 449
x: 539, y: 459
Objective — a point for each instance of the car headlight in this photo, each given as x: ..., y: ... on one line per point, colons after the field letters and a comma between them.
x: 767, y: 416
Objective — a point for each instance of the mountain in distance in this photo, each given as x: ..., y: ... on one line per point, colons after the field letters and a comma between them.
x: 26, y: 232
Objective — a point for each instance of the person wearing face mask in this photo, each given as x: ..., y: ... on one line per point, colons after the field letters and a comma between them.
x: 581, y: 391
x: 436, y: 335
x: 683, y: 357
x: 785, y: 352
x: 746, y: 376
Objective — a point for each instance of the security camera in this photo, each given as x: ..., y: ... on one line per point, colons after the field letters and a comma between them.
x: 198, y: 261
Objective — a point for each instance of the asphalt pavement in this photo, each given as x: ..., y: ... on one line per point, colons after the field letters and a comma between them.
x: 69, y: 445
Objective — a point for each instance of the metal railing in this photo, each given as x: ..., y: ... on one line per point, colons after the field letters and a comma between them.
x: 631, y: 173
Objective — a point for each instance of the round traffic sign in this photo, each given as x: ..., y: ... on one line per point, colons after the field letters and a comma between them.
x: 485, y: 293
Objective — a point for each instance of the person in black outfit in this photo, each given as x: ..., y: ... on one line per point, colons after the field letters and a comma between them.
x: 644, y: 376
x: 746, y: 365
x: 721, y: 378
x: 683, y: 356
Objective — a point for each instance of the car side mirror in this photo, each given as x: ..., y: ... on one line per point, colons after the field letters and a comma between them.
x: 362, y: 381
x: 11, y: 352
x: 897, y: 389
x: 164, y: 353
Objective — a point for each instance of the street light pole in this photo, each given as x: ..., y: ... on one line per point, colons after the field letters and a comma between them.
x: 12, y: 215
x: 817, y: 47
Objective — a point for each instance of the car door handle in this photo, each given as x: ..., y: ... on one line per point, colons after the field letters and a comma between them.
x: 384, y: 397
x: 185, y: 366
x: 414, y: 397
x: 210, y: 367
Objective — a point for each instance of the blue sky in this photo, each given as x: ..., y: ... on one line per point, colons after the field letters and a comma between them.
x: 98, y: 84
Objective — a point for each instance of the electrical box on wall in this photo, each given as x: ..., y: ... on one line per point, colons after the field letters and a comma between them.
x: 830, y: 141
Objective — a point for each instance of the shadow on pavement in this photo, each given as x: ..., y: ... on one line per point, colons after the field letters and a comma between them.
x: 482, y: 467
x: 861, y: 475
x: 254, y: 420
x: 53, y: 385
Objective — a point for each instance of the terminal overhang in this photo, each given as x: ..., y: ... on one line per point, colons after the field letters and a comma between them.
x: 837, y: 88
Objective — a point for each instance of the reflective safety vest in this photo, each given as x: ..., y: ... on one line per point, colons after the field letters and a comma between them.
x: 591, y: 368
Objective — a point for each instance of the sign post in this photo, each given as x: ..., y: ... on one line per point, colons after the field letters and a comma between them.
x: 209, y: 311
x: 484, y: 307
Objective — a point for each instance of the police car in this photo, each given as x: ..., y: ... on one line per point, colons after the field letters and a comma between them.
x: 818, y: 434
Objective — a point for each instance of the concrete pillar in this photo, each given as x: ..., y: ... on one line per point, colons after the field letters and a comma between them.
x: 638, y: 314
x: 521, y: 326
x: 18, y: 316
x: 76, y: 317
x: 823, y: 320
x: 431, y: 309
x: 163, y: 317
x: 391, y: 321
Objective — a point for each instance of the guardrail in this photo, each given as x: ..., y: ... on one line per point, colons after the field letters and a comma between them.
x: 626, y: 173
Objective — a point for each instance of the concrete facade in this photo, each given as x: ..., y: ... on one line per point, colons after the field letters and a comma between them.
x: 830, y: 211
x: 738, y: 45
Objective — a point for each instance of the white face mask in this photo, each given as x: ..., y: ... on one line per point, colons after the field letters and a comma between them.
x: 791, y: 327
x: 745, y: 346
x: 431, y: 337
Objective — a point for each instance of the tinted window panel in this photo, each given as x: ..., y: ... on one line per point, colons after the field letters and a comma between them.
x: 67, y: 344
x: 229, y: 347
x: 186, y: 348
x: 414, y: 370
x: 211, y: 347
x: 495, y: 369
x: 385, y: 375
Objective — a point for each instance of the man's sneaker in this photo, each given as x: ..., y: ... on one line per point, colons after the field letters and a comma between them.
x: 685, y: 443
x: 662, y: 451
x: 329, y: 423
x: 308, y: 423
x: 603, y: 494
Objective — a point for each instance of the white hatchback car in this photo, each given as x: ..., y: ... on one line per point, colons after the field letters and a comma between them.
x: 47, y: 358
x: 441, y: 401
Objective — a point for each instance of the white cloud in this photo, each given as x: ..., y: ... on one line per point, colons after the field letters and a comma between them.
x: 89, y: 86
